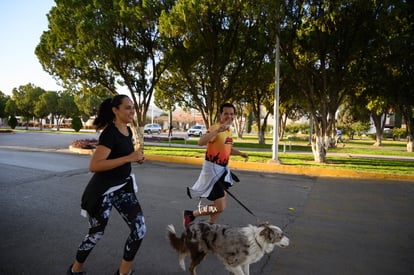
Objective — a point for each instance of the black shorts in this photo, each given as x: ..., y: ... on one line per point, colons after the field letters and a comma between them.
x: 220, y: 186
x: 217, y: 192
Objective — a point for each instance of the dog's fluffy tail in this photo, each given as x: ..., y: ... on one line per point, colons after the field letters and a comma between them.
x: 175, y: 242
x: 178, y: 244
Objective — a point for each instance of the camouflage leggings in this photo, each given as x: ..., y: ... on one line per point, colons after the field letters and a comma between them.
x: 130, y: 210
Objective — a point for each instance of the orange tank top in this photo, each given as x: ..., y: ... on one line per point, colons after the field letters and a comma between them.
x: 219, y: 148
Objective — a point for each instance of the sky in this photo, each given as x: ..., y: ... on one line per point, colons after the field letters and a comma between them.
x: 22, y: 22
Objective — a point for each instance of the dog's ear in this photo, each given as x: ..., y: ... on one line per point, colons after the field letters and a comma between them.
x: 268, y: 234
x: 263, y: 223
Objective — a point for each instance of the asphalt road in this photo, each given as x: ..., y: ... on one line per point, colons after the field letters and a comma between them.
x: 336, y: 225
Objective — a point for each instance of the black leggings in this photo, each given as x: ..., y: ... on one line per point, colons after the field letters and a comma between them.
x: 130, y: 210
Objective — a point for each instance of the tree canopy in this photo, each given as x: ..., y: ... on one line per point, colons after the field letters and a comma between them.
x: 105, y: 44
x: 215, y: 48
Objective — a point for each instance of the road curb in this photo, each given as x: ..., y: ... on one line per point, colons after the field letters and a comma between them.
x: 286, y: 169
x: 81, y: 151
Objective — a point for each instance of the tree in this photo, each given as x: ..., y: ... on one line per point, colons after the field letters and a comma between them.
x: 212, y: 45
x: 65, y: 108
x: 104, y: 44
x: 240, y: 121
x: 3, y: 100
x: 88, y: 100
x: 399, y: 64
x: 165, y: 98
x: 353, y: 117
x: 323, y: 41
x: 385, y: 83
x: 25, y: 98
x: 46, y: 105
x: 10, y: 108
x: 259, y: 93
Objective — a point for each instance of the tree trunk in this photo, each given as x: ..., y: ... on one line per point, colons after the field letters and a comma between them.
x: 239, y: 127
x: 378, y: 140
x: 410, y: 147
x: 331, y: 141
x: 261, y: 137
x: 410, y: 144
x: 379, y: 122
x: 58, y: 124
x: 282, y: 125
x: 319, y: 150
x: 260, y: 131
x: 138, y: 135
x: 409, y: 121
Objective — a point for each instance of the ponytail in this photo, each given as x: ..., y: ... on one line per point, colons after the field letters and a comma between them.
x: 105, y: 114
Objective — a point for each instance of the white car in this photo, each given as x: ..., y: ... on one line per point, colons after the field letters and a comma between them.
x: 197, y: 130
x: 152, y: 128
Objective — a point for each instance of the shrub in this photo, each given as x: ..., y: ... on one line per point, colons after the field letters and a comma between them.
x: 399, y: 133
x: 76, y: 124
x: 12, y: 122
x: 85, y: 143
x: 297, y: 127
x: 358, y: 128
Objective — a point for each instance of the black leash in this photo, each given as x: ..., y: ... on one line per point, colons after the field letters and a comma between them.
x: 244, y: 206
x: 236, y: 179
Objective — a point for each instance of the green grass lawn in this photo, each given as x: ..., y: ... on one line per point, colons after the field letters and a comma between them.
x: 360, y: 146
x: 300, y: 154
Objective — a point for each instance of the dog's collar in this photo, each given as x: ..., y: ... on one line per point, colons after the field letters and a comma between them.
x: 258, y: 243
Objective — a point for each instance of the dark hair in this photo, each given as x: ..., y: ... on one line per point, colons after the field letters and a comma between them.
x: 226, y: 105
x: 105, y: 114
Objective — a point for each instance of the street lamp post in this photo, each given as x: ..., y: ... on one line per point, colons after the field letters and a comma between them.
x: 276, y: 103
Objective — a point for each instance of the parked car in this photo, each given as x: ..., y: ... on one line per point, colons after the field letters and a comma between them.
x: 387, y: 133
x: 197, y: 130
x: 152, y: 128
